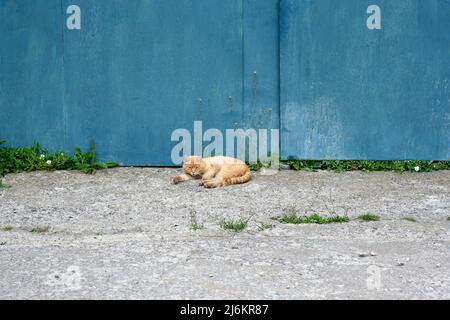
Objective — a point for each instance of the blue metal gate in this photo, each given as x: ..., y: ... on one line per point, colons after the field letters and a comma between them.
x: 341, y: 79
x: 365, y: 79
x: 135, y: 71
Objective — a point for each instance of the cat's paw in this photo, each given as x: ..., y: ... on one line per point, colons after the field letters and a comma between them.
x: 212, y: 184
x: 177, y: 179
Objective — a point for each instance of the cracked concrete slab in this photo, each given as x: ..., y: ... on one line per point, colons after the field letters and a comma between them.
x: 126, y: 233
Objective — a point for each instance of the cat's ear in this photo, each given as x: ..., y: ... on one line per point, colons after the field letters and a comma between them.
x: 187, y: 158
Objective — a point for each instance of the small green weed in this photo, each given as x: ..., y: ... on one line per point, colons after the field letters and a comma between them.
x: 40, y: 230
x: 194, y: 224
x: 264, y: 226
x: 234, y: 225
x: 292, y: 218
x: 3, y: 186
x: 410, y: 219
x: 256, y: 166
x: 369, y: 217
x: 8, y: 228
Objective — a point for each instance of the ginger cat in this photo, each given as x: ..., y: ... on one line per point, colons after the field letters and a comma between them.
x: 215, y: 171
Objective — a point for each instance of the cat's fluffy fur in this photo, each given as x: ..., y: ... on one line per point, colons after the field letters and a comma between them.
x: 215, y: 171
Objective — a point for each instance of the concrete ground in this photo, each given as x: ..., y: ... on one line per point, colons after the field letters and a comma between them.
x: 127, y: 233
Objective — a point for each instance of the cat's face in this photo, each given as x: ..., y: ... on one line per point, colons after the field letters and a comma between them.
x: 194, y: 166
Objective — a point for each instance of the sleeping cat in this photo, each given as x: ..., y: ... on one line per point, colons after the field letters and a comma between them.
x: 215, y: 171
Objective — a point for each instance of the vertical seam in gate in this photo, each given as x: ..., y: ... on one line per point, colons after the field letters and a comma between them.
x: 64, y: 106
x: 279, y: 76
x: 243, y: 63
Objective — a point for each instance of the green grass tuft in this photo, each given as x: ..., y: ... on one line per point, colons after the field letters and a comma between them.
x: 197, y: 226
x: 194, y: 224
x: 264, y: 226
x: 3, y: 186
x: 255, y: 166
x: 410, y: 219
x: 398, y: 166
x: 311, y: 219
x: 40, y: 230
x: 369, y: 217
x: 8, y: 228
x: 234, y: 225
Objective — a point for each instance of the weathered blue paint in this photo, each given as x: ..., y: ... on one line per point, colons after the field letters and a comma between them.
x: 261, y: 64
x: 136, y: 71
x: 31, y: 78
x: 348, y: 92
x: 139, y: 69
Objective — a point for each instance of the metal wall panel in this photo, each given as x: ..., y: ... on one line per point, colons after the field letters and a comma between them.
x: 136, y: 71
x: 31, y: 72
x: 139, y: 69
x: 350, y: 92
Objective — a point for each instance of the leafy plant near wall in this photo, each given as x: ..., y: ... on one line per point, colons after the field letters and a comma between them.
x: 255, y: 166
x: 13, y: 160
x: 399, y: 166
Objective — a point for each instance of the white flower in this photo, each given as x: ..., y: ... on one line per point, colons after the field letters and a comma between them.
x: 42, y: 156
x: 49, y: 162
x: 417, y: 168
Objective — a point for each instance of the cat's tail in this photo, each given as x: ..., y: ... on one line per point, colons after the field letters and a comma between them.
x: 245, y: 178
